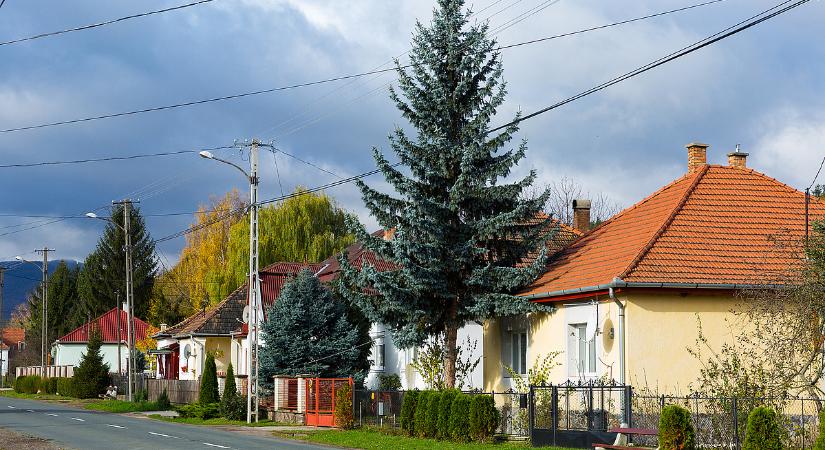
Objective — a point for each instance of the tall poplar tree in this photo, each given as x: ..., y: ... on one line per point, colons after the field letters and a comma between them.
x: 103, y: 275
x: 461, y: 232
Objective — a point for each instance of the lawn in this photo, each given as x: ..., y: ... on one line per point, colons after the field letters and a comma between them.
x: 120, y: 406
x: 370, y: 439
x: 216, y: 421
x: 51, y: 397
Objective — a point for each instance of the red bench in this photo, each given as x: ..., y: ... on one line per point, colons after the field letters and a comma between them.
x: 628, y: 431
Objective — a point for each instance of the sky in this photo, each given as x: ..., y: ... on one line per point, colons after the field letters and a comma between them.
x: 761, y: 88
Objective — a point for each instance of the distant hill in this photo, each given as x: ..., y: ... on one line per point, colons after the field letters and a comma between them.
x: 20, y: 280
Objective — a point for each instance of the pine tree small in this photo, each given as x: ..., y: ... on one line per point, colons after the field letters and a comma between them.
x: 232, y: 405
x: 209, y: 382
x: 92, y: 375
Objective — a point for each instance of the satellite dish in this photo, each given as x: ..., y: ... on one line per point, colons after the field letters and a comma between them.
x: 592, y: 326
x: 187, y: 351
x: 245, y: 315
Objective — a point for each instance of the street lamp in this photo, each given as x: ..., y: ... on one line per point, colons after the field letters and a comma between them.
x: 130, y: 312
x: 44, y: 308
x: 254, y: 319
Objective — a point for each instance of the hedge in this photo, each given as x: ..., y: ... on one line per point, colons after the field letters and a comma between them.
x: 65, y: 387
x: 420, y: 418
x: 200, y: 410
x: 763, y: 432
x: 820, y: 440
x: 431, y: 419
x: 408, y: 411
x: 48, y: 385
x: 460, y: 418
x: 676, y: 429
x: 445, y: 405
x: 343, y: 408
x: 484, y: 417
x: 29, y: 384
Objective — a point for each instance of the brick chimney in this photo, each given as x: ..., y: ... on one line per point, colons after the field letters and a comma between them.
x: 697, y: 156
x: 738, y: 158
x: 581, y: 214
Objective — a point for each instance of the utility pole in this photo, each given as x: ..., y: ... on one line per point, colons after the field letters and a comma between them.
x: 130, y: 294
x: 254, y: 325
x: 119, y: 341
x: 2, y: 327
x: 44, y: 336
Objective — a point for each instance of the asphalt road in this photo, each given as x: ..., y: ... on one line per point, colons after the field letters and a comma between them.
x: 83, y: 429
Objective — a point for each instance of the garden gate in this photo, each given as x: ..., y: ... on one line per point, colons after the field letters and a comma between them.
x: 320, y: 400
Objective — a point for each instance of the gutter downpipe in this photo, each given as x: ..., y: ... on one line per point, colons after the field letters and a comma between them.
x: 622, y: 380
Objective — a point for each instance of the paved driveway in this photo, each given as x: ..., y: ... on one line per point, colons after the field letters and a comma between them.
x: 83, y: 429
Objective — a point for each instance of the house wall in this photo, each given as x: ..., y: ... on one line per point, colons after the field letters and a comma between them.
x: 194, y: 364
x: 221, y: 347
x: 71, y: 354
x: 660, y: 327
x: 4, y: 362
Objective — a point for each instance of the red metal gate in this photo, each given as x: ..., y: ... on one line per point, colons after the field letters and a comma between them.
x: 320, y: 398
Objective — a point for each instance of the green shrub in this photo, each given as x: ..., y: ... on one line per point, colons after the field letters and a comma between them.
x: 431, y: 419
x: 64, y: 387
x: 820, y: 440
x: 460, y: 418
x: 92, y: 375
x: 200, y: 410
x: 209, y: 381
x: 141, y: 396
x: 389, y: 382
x: 408, y: 411
x: 343, y: 408
x: 163, y: 401
x: 676, y: 429
x: 420, y: 418
x: 29, y: 384
x: 48, y: 385
x: 764, y: 431
x: 484, y: 417
x: 233, y: 406
x: 445, y: 405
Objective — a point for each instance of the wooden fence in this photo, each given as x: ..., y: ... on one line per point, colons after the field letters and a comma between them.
x: 51, y: 371
x: 179, y: 391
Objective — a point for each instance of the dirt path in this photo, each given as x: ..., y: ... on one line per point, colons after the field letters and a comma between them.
x: 13, y: 440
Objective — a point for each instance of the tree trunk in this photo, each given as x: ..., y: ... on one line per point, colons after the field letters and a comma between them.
x: 451, y: 352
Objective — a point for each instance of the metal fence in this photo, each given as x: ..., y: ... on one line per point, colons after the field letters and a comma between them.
x: 513, y: 413
x: 381, y: 408
x: 720, y: 422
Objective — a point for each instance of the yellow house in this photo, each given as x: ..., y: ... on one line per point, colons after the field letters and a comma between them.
x: 628, y: 293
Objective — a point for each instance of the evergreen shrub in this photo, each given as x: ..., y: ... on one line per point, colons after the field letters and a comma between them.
x: 200, y: 410
x: 431, y: 419
x: 233, y: 407
x: 676, y: 429
x: 460, y: 418
x: 65, y: 387
x: 141, y: 396
x: 484, y: 417
x: 163, y: 403
x: 48, y: 385
x: 445, y: 405
x: 763, y: 431
x: 209, y: 382
x: 343, y: 408
x: 91, y: 377
x: 408, y: 406
x: 28, y: 384
x: 389, y: 382
x: 420, y: 417
x: 820, y: 440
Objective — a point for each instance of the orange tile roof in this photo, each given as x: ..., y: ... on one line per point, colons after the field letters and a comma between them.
x: 718, y: 225
x: 12, y: 335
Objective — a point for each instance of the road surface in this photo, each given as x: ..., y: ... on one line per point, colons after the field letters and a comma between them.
x: 83, y: 429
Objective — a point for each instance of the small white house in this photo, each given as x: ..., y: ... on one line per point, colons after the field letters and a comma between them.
x: 69, y: 349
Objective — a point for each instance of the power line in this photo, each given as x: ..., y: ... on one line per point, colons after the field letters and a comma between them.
x: 716, y: 37
x: 276, y: 89
x: 108, y: 158
x: 817, y: 174
x: 100, y: 24
x: 2, y: 2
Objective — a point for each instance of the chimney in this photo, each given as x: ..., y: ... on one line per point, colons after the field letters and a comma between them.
x: 697, y: 156
x: 388, y: 234
x: 581, y: 214
x: 737, y: 158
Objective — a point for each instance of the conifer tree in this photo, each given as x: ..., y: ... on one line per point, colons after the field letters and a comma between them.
x: 308, y: 332
x: 461, y: 230
x: 92, y: 375
x: 209, y: 382
x: 66, y: 312
x: 104, y: 271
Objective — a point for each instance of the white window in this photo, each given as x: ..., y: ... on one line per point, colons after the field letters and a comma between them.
x: 378, y: 355
x: 518, y: 356
x: 581, y: 351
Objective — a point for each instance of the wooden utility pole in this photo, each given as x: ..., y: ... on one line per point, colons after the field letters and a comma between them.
x: 44, y: 313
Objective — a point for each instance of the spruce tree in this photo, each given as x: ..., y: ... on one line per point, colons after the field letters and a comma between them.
x: 461, y: 230
x: 308, y: 332
x: 104, y: 271
x: 232, y: 405
x: 66, y: 312
x: 92, y: 375
x: 209, y: 382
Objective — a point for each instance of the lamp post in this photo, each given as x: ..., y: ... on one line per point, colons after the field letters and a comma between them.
x: 44, y: 307
x: 130, y: 295
x: 254, y: 319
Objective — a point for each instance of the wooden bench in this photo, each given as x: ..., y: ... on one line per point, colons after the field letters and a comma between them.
x: 627, y: 431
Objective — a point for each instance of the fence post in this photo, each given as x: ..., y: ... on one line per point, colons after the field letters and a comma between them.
x: 590, y: 407
x: 531, y: 412
x: 628, y: 401
x: 735, y: 407
x: 554, y: 411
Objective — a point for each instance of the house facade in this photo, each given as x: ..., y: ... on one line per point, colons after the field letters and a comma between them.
x: 12, y: 342
x: 112, y: 325
x: 629, y: 293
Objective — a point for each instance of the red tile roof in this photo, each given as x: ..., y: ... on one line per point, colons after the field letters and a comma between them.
x: 12, y: 335
x: 107, y: 324
x: 719, y: 225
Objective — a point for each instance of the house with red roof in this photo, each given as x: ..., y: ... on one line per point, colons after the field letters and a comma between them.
x: 68, y: 350
x: 628, y: 292
x: 12, y: 341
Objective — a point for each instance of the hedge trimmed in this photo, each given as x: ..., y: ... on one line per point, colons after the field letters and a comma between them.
x: 408, y: 411
x: 29, y: 384
x: 676, y: 429
x: 484, y: 417
x: 65, y: 387
x: 431, y: 420
x: 763, y: 432
x: 343, y: 408
x: 420, y: 419
x: 820, y: 440
x: 460, y: 418
x: 445, y: 405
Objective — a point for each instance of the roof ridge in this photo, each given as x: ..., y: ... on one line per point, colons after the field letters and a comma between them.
x: 644, y: 251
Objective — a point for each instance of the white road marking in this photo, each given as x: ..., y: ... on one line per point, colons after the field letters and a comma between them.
x: 164, y: 435
x: 114, y: 426
x: 12, y: 407
x: 75, y: 418
x: 50, y: 414
x: 30, y: 410
x: 215, y: 445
